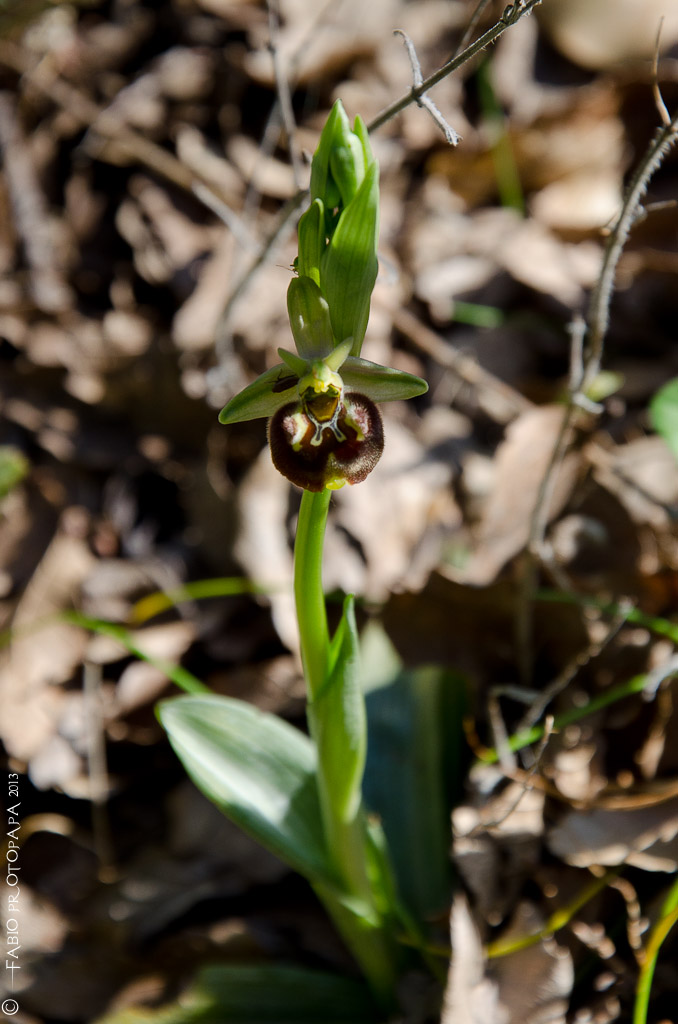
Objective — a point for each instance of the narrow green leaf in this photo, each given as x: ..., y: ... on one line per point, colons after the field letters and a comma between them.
x: 309, y: 318
x: 260, y: 994
x: 349, y: 266
x: 664, y: 414
x: 339, y: 720
x: 259, y: 771
x: 179, y: 675
x: 263, y: 397
x: 380, y: 383
x: 413, y: 742
x: 196, y: 590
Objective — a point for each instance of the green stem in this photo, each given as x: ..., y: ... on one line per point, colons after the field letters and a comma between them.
x: 308, y: 588
x: 363, y: 931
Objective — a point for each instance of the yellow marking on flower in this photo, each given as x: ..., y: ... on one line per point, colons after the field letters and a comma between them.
x: 300, y: 429
x: 320, y: 379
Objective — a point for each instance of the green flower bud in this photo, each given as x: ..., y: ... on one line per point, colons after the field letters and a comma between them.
x: 349, y: 265
x: 309, y: 318
x: 311, y: 241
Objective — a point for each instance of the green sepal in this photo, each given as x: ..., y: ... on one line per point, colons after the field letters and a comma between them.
x: 347, y: 164
x: 323, y: 185
x: 259, y: 771
x: 349, y: 266
x: 338, y: 356
x: 360, y: 130
x: 259, y: 398
x: 311, y: 241
x: 380, y: 383
x: 295, y: 363
x: 309, y: 318
x: 339, y: 721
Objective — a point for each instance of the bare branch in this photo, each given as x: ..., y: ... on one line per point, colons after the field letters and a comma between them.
x: 470, y: 28
x: 425, y: 101
x: 284, y: 94
x: 512, y: 14
x: 601, y: 297
x: 658, y: 98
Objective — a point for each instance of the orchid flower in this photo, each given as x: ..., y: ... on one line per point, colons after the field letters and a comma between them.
x: 324, y: 427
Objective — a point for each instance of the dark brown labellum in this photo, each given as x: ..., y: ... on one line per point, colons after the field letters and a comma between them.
x: 315, y: 454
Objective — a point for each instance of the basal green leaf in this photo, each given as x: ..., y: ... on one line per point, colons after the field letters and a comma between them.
x: 414, y: 743
x: 349, y: 266
x: 664, y: 414
x: 380, y: 383
x: 309, y: 318
x: 263, y: 397
x: 258, y: 770
x: 260, y: 994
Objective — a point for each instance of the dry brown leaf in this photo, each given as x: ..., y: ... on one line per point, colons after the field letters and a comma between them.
x: 471, y: 997
x: 262, y: 546
x: 608, y: 32
x: 521, y: 463
x: 534, y: 983
x: 38, y: 660
x: 326, y: 43
x: 397, y: 520
x: 643, y: 474
x: 646, y: 837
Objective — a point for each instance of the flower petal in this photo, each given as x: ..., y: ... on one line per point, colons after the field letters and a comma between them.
x: 263, y: 397
x: 380, y: 383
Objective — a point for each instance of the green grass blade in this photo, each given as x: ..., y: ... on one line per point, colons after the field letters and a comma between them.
x: 667, y: 919
x: 182, y: 678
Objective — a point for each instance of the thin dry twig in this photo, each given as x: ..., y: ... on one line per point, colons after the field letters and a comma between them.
x: 656, y: 91
x: 470, y: 28
x: 425, y: 101
x: 30, y: 213
x: 283, y: 90
x: 465, y: 367
x: 598, y: 314
x: 107, y: 125
x: 587, y: 353
x: 511, y: 16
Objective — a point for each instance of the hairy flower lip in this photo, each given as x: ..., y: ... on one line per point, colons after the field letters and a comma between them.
x: 348, y: 449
